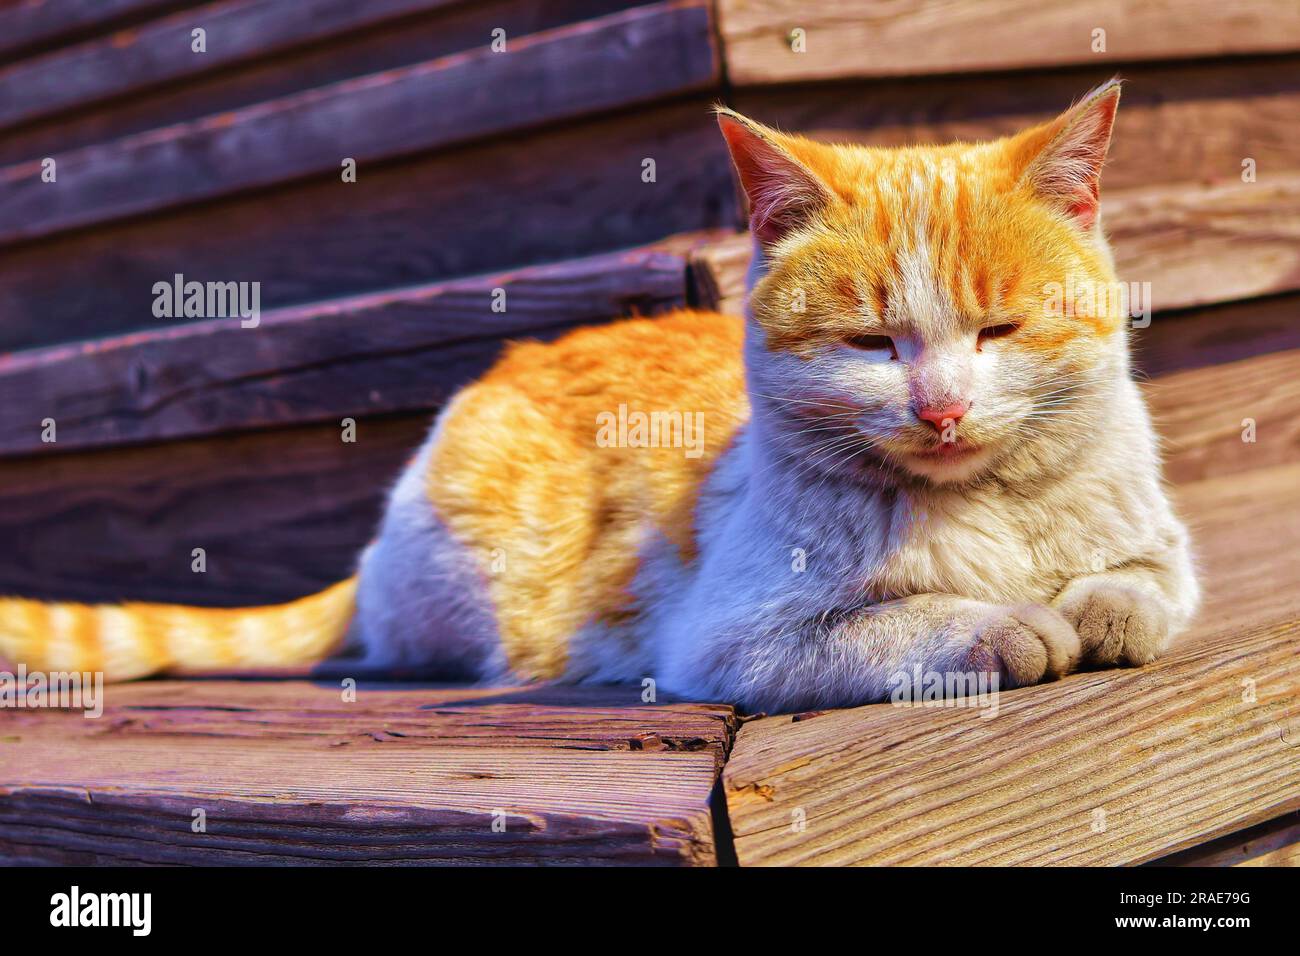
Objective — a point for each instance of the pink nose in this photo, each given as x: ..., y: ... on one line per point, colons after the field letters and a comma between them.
x: 938, y: 416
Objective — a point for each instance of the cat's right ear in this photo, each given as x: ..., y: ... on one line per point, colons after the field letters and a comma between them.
x: 783, y: 193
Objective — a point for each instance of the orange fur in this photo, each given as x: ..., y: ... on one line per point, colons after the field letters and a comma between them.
x: 517, y: 474
x: 994, y: 239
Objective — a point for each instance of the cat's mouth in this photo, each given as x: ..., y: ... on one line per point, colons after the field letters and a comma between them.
x: 950, y: 451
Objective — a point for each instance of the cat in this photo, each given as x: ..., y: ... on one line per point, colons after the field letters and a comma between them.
x: 915, y: 456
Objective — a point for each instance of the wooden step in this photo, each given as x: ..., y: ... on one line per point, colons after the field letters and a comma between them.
x: 289, y: 772
x: 881, y: 38
x: 401, y: 350
x: 431, y: 217
x: 387, y: 43
x: 160, y: 51
x: 625, y: 59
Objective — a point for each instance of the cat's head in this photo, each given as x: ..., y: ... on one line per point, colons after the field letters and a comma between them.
x: 921, y: 310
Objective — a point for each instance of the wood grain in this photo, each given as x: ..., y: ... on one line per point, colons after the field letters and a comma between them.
x: 393, y: 43
x: 280, y: 513
x: 1171, y: 754
x: 498, y: 205
x: 861, y: 38
x: 621, y: 60
x: 288, y: 772
x: 33, y: 24
x: 159, y: 51
x: 1211, y: 335
x: 400, y: 350
x: 1204, y: 416
x: 1194, y: 244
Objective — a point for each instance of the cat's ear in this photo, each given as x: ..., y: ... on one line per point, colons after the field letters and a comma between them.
x: 783, y: 193
x: 1063, y: 159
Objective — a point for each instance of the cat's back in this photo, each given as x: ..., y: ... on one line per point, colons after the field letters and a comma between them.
x: 566, y: 458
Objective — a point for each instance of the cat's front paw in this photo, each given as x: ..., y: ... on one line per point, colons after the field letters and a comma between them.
x: 1116, y: 623
x: 1026, y: 644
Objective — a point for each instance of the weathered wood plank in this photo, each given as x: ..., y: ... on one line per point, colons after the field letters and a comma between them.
x: 280, y: 513
x: 1228, y: 418
x: 1240, y: 523
x: 405, y: 716
x: 860, y: 38
x: 1194, y: 244
x: 1203, y: 742
x: 1212, y: 335
x: 628, y: 58
x: 1276, y: 843
x: 29, y: 24
x: 400, y: 350
x: 442, y: 30
x: 160, y: 51
x: 1177, y: 123
x: 1098, y: 769
x: 289, y: 772
x: 403, y: 223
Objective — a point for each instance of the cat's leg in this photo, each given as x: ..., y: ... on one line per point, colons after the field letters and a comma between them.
x: 860, y: 656
x: 1130, y: 615
x: 422, y: 602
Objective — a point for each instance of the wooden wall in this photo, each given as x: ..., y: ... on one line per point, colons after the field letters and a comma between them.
x: 519, y: 170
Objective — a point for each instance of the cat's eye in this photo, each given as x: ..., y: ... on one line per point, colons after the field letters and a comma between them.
x: 997, y: 332
x: 872, y: 343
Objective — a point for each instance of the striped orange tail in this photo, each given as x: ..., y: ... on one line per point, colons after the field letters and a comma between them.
x: 136, y: 639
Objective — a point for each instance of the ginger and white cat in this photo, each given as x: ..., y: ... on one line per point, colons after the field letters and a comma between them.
x: 915, y: 455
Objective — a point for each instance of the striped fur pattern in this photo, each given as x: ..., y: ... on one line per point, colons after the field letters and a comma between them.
x: 910, y: 455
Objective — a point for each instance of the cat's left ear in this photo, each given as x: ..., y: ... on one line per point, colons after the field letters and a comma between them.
x: 1063, y: 159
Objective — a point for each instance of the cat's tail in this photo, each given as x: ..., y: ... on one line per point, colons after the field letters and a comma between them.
x: 137, y: 639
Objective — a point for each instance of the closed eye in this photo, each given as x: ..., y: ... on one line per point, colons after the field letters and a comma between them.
x: 997, y: 332
x: 872, y: 343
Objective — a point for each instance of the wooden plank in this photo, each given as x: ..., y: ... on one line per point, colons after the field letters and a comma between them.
x: 1205, y: 416
x: 1212, y: 335
x: 861, y: 38
x: 1203, y: 244
x: 30, y: 24
x: 628, y: 58
x: 401, y: 776
x: 400, y: 350
x: 280, y: 513
x: 403, y: 223
x: 1177, y: 123
x: 159, y: 51
x: 607, y: 717
x: 418, y: 38
x: 1239, y: 524
x: 1195, y: 244
x: 1276, y: 843
x: 1107, y: 768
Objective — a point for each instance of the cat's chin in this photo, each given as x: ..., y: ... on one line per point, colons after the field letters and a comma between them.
x: 948, y: 467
